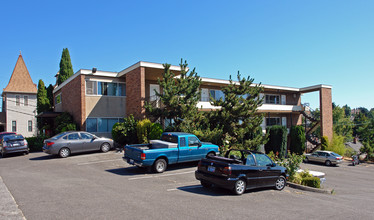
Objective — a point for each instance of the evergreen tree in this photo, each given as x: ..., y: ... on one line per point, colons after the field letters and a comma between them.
x: 42, y: 103
x: 66, y: 69
x: 50, y: 95
x: 179, y: 98
x: 238, y: 117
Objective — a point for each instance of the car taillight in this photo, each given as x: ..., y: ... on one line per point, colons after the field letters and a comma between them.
x: 24, y: 142
x: 142, y: 156
x: 5, y: 144
x: 50, y: 143
x: 226, y: 171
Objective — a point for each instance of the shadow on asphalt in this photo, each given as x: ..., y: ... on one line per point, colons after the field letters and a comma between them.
x: 46, y: 157
x: 215, y: 191
x: 132, y: 171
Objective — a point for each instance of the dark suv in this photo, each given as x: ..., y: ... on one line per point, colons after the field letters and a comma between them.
x: 13, y: 143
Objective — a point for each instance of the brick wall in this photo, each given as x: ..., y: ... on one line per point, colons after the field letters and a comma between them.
x: 73, y: 100
x: 135, y: 93
x: 326, y: 112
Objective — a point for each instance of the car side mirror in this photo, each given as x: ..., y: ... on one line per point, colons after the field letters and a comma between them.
x: 274, y: 165
x: 199, y: 144
x: 93, y: 138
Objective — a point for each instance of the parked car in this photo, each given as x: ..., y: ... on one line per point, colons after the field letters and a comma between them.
x: 327, y: 157
x: 174, y: 147
x: 240, y: 170
x: 13, y: 143
x: 70, y: 142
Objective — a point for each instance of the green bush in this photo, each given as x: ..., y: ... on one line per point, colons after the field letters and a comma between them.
x: 337, y: 145
x: 143, y: 128
x: 125, y: 132
x: 156, y: 131
x: 292, y: 163
x: 311, y: 181
x: 35, y: 143
x: 277, y: 140
x: 300, y: 176
x: 324, y: 143
x: 65, y: 122
x: 369, y: 150
x: 214, y: 136
x: 297, y: 139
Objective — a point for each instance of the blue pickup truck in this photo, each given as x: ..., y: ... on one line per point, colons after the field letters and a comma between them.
x: 174, y: 147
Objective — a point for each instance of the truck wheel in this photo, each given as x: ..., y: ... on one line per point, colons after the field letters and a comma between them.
x: 240, y: 187
x: 159, y: 166
x: 211, y: 154
x: 280, y: 183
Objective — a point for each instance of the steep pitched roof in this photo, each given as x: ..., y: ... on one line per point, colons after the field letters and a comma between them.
x: 21, y: 81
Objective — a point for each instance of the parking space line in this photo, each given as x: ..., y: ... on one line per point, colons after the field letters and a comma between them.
x: 93, y: 162
x: 157, y: 176
x: 184, y: 187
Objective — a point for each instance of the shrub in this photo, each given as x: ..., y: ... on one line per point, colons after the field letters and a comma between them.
x: 369, y: 150
x: 312, y: 182
x: 143, y: 128
x: 292, y: 163
x: 36, y: 143
x: 297, y: 139
x: 277, y: 140
x: 156, y: 131
x: 65, y: 122
x: 324, y: 143
x: 125, y: 132
x: 337, y: 145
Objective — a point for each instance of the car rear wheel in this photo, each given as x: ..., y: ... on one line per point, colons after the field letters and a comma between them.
x: 328, y: 163
x: 159, y: 166
x: 105, y: 147
x: 206, y: 184
x: 64, y: 152
x: 240, y: 187
x: 306, y: 160
x: 280, y: 183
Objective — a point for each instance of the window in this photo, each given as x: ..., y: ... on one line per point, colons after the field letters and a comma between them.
x: 86, y: 136
x: 263, y: 160
x: 91, y: 125
x: 29, y: 125
x: 14, y: 126
x: 193, y: 141
x: 169, y: 138
x: 272, y: 121
x: 73, y: 136
x: 104, y: 125
x: 111, y: 89
x: 250, y: 161
x: 182, y: 141
x: 272, y: 99
x: 25, y: 100
x: 91, y: 87
x: 58, y: 99
x: 17, y: 100
x: 217, y: 94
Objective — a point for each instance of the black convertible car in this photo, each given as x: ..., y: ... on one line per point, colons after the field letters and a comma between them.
x: 240, y: 170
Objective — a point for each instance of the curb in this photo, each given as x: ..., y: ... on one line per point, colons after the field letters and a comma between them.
x: 308, y: 188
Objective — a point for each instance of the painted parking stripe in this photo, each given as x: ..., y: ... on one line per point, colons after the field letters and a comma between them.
x: 157, y: 176
x: 94, y: 162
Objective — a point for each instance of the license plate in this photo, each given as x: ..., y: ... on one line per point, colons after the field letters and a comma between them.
x: 211, y: 169
x: 16, y: 145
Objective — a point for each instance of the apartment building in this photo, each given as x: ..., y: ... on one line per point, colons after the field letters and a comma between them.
x: 19, y: 102
x: 98, y: 99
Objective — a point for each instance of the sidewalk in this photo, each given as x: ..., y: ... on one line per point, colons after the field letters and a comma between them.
x: 8, y: 206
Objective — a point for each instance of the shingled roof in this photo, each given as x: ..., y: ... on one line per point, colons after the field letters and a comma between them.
x: 21, y: 81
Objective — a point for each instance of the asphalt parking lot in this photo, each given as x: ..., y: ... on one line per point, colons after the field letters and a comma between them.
x: 103, y: 186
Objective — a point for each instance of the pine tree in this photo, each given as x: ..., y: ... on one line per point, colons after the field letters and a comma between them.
x: 66, y: 69
x: 238, y: 117
x: 42, y: 103
x: 50, y: 95
x: 179, y: 98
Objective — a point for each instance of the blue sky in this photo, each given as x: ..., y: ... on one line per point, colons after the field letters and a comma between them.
x: 285, y: 43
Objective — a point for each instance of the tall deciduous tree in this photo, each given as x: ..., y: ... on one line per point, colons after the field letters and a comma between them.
x: 238, y: 117
x: 179, y: 98
x: 42, y: 103
x: 66, y: 69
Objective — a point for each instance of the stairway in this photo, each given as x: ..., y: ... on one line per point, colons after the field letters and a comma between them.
x: 313, y: 139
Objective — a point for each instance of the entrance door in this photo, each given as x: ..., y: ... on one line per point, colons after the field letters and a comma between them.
x: 152, y: 94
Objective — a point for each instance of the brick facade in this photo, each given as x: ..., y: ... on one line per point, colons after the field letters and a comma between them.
x: 135, y: 93
x: 73, y: 100
x: 326, y: 112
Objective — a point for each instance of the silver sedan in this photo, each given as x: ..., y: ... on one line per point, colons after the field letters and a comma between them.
x: 70, y: 142
x: 326, y: 157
